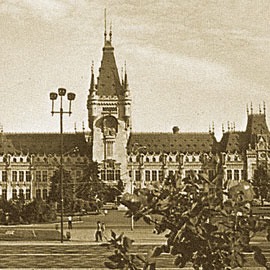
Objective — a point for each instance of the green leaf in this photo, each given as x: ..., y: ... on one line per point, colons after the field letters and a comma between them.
x: 127, y: 242
x: 113, y: 234
x: 260, y: 258
x: 157, y: 251
x: 141, y: 257
x: 147, y: 219
x: 111, y: 265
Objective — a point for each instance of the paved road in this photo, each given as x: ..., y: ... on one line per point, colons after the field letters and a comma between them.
x: 83, y: 252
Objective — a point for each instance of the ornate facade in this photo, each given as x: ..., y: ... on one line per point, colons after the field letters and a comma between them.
x: 27, y: 160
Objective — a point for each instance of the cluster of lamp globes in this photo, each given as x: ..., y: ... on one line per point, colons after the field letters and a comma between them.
x: 62, y: 92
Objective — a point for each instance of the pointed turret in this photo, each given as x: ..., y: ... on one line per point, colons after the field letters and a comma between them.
x: 92, y: 83
x: 109, y: 82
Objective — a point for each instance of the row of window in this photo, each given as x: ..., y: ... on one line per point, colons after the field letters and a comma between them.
x: 110, y: 175
x: 17, y: 194
x: 21, y: 176
x: 170, y: 159
x: 155, y: 175
x: 234, y: 174
x: 44, y: 194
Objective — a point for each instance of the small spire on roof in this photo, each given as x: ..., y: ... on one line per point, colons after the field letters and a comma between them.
x: 110, y: 34
x: 213, y: 127
x: 229, y: 128
x: 264, y: 108
x: 260, y: 111
x: 247, y: 110
x: 125, y: 79
x: 209, y: 130
x: 234, y: 126
x: 92, y: 83
x: 122, y: 75
x: 75, y: 128
x: 251, y: 108
x: 105, y: 27
x: 223, y: 130
x: 83, y: 126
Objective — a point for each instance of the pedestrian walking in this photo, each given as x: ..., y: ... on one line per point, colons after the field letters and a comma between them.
x: 103, y: 230
x: 70, y: 222
x: 98, y: 232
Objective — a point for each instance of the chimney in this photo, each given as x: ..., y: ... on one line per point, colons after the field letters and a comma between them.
x: 175, y: 130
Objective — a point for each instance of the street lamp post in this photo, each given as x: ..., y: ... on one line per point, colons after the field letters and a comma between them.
x: 53, y: 97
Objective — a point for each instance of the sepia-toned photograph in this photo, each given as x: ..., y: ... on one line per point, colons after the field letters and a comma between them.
x: 134, y: 134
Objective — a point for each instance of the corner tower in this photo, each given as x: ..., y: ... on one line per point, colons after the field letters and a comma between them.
x: 109, y: 116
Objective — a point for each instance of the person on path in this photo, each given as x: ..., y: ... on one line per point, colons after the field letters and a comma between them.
x: 103, y: 230
x: 98, y: 232
x: 70, y: 222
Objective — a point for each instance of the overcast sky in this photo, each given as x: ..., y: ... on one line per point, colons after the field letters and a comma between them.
x: 189, y: 62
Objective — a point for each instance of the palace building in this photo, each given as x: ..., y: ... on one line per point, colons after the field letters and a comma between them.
x: 28, y: 160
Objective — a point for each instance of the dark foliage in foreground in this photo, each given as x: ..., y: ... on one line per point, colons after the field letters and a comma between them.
x: 201, y: 227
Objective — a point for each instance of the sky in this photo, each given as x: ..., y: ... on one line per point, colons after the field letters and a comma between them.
x: 189, y: 62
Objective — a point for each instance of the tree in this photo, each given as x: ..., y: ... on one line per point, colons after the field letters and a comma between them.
x: 201, y: 228
x: 90, y: 187
x: 261, y: 183
x: 38, y: 211
x: 68, y: 190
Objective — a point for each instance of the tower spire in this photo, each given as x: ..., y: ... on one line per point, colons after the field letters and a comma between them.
x: 105, y: 27
x: 264, y: 108
x: 110, y: 34
x: 92, y: 84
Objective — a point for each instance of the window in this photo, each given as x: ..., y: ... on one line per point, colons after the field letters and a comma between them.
x: 236, y: 175
x: 242, y: 174
x: 38, y: 176
x: 4, y: 176
x: 44, y: 176
x: 14, y: 194
x: 117, y: 175
x: 21, y: 176
x: 102, y: 174
x: 147, y: 175
x: 38, y: 194
x: 137, y: 176
x: 160, y: 176
x: 28, y: 176
x: 44, y: 194
x: 4, y: 194
x: 154, y: 175
x: 21, y: 194
x: 109, y: 149
x: 171, y: 173
x: 187, y: 173
x: 28, y: 196
x: 229, y: 174
x: 110, y: 175
x: 14, y: 176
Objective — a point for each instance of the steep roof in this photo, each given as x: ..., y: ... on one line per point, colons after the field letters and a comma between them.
x: 257, y: 124
x: 170, y: 142
x: 108, y: 82
x: 234, y: 141
x: 42, y: 143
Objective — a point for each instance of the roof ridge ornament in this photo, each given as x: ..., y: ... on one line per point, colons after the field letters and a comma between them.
x: 105, y: 27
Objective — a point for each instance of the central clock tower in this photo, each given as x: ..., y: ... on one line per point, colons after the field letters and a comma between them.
x: 109, y: 117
